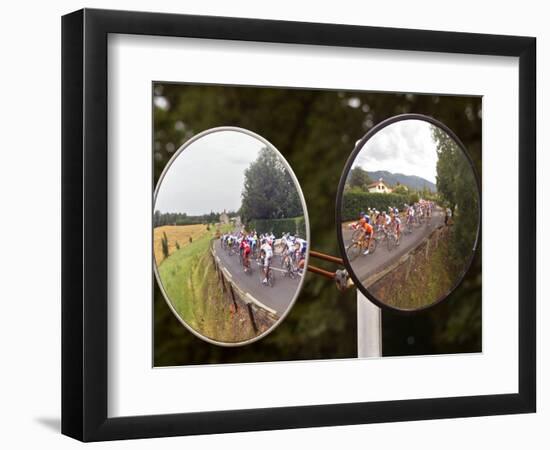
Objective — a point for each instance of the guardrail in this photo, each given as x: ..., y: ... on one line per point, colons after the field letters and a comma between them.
x: 238, y: 296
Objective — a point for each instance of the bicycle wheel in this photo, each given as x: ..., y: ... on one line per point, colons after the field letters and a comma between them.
x: 353, y: 250
x: 390, y: 241
x: 372, y: 246
x: 292, y: 273
x: 286, y: 268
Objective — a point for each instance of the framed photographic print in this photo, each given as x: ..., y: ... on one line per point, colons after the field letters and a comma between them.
x: 273, y: 224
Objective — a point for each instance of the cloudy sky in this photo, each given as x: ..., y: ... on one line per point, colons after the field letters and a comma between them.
x: 403, y: 147
x: 209, y: 174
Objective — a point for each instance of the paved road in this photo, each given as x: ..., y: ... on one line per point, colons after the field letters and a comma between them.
x: 366, y: 266
x: 277, y: 297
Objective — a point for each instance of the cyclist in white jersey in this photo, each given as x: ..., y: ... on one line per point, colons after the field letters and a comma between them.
x: 268, y: 254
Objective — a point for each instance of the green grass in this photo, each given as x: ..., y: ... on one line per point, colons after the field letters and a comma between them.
x: 426, y: 284
x: 191, y: 283
x: 428, y: 280
x: 181, y: 278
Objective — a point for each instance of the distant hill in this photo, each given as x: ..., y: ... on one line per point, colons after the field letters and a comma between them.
x: 411, y: 181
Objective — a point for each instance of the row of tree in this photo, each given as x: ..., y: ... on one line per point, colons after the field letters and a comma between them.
x: 161, y: 219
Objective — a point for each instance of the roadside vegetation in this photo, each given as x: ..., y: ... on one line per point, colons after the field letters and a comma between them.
x: 191, y: 282
x: 457, y: 187
x: 427, y: 278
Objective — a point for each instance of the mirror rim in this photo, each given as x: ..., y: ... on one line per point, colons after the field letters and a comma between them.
x: 339, y: 199
x: 300, y: 286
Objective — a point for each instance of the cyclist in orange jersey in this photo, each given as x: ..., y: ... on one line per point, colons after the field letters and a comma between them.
x: 368, y: 232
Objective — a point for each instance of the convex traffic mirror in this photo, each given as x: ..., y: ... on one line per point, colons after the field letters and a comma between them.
x: 408, y: 213
x: 230, y: 236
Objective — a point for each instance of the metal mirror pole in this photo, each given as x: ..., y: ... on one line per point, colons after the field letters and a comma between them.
x: 369, y: 328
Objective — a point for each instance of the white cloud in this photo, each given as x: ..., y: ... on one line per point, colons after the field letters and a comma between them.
x: 208, y: 175
x: 405, y: 147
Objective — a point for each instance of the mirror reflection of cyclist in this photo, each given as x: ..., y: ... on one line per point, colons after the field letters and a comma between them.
x: 267, y: 253
x: 396, y: 221
x: 386, y: 221
x: 301, y: 247
x: 244, y: 241
x: 410, y: 213
x: 246, y: 255
x: 367, y: 230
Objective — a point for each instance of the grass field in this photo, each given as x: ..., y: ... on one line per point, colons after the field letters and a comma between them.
x: 191, y: 283
x: 179, y: 234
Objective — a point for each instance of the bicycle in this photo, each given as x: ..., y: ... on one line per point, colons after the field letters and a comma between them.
x: 358, y: 247
x: 387, y: 236
x: 288, y: 267
x: 229, y: 248
x: 270, y: 277
x: 391, y: 240
x: 408, y: 226
x: 247, y: 267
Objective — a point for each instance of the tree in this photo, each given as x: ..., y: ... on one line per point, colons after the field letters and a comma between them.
x: 414, y: 197
x: 457, y: 185
x: 164, y: 242
x: 269, y: 191
x: 157, y: 218
x: 426, y: 192
x: 358, y: 178
x: 400, y: 189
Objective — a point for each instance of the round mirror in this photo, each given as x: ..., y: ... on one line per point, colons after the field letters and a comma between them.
x: 230, y: 236
x: 408, y: 213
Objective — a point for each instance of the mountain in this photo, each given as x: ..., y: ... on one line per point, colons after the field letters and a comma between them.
x: 411, y: 181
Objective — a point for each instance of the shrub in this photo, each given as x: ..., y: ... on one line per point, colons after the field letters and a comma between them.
x: 414, y: 197
x: 354, y: 202
x: 301, y: 226
x: 279, y: 226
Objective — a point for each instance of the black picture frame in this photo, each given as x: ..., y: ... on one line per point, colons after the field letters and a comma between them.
x: 340, y: 198
x: 84, y: 224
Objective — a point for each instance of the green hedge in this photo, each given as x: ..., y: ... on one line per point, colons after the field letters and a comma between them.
x: 279, y: 226
x: 355, y: 202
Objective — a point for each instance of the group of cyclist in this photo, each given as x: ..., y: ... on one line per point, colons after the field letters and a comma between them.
x: 261, y: 247
x: 293, y: 253
x: 390, y: 222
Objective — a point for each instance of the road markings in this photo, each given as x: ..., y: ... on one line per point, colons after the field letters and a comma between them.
x: 260, y: 304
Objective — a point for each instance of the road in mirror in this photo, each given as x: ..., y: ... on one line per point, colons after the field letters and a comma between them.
x: 409, y: 214
x: 230, y: 236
